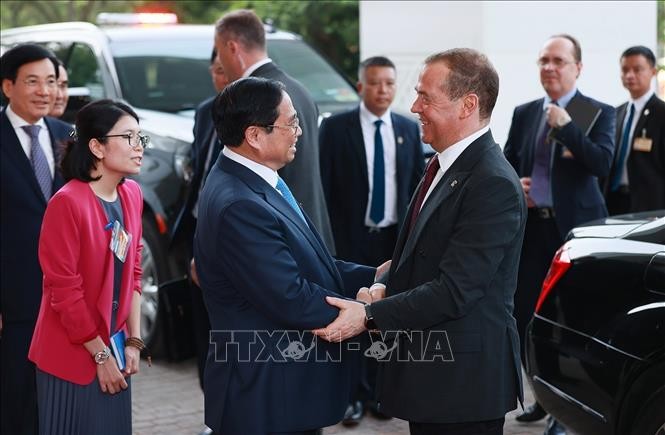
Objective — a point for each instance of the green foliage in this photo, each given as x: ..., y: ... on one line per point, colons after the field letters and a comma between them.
x: 329, y: 26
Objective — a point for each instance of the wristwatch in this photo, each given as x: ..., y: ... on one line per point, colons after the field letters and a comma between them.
x: 369, y: 318
x: 103, y: 355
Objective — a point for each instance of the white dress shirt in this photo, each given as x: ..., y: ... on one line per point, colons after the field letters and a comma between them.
x: 268, y: 174
x: 639, y: 108
x: 26, y: 142
x: 255, y: 66
x: 367, y: 120
x: 448, y: 156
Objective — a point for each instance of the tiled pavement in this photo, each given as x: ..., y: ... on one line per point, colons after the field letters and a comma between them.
x: 167, y: 400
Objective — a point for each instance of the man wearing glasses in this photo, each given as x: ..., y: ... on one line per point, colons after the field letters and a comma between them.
x: 265, y: 272
x: 558, y: 159
x: 29, y: 148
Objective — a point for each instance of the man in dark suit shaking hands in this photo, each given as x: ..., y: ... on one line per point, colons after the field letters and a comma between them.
x: 637, y: 180
x: 559, y: 161
x: 371, y: 162
x: 29, y: 151
x: 449, y: 293
x: 265, y: 272
x: 240, y: 42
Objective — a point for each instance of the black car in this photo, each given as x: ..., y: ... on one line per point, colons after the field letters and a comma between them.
x: 596, y: 343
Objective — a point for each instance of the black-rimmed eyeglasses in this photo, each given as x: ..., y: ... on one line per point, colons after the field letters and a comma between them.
x: 133, y: 140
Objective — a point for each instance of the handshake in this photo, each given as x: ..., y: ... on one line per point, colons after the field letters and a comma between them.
x: 351, y: 318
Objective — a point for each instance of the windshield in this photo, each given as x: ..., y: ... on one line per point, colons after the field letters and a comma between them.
x: 172, y: 75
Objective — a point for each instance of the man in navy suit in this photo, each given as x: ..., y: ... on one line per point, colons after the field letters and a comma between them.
x: 371, y: 162
x: 265, y: 272
x: 559, y: 165
x: 453, y: 367
x: 241, y: 46
x: 637, y: 180
x: 29, y: 149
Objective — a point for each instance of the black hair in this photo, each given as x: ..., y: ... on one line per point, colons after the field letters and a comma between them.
x: 93, y: 121
x: 244, y: 103
x: 213, y: 55
x: 22, y: 54
x: 374, y: 61
x: 640, y: 50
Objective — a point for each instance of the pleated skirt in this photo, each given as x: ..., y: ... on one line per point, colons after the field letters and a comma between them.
x: 66, y: 408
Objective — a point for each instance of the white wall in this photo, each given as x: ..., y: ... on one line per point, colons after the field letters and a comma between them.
x: 511, y: 34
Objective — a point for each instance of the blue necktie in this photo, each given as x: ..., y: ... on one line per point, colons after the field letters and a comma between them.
x: 39, y: 162
x: 288, y: 196
x: 623, y: 151
x: 377, y: 207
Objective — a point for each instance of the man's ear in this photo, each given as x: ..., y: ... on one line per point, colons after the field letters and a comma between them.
x: 253, y: 137
x: 7, y: 87
x: 359, y: 86
x: 469, y: 105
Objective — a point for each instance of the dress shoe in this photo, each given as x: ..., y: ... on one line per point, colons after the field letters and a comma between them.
x: 354, y: 413
x: 554, y: 427
x: 534, y: 412
x: 373, y: 408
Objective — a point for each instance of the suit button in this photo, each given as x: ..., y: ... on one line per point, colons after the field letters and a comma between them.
x: 421, y: 252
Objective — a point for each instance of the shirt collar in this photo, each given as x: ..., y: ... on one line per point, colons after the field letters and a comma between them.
x: 368, y: 118
x: 18, y: 122
x: 561, y: 102
x: 642, y: 101
x: 256, y: 66
x: 269, y: 175
x: 448, y: 156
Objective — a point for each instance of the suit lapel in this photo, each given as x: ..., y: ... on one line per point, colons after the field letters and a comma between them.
x: 357, y: 142
x: 15, y: 154
x: 452, y: 180
x: 272, y: 197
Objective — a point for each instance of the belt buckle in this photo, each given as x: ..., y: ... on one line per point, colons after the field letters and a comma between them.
x: 545, y: 213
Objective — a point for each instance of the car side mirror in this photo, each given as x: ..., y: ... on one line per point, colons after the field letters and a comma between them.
x: 654, y: 276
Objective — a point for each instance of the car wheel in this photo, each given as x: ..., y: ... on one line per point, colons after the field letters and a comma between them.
x: 153, y: 265
x: 651, y: 420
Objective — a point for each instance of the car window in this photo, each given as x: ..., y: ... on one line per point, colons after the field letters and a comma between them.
x: 84, y: 70
x: 168, y: 77
x: 301, y: 62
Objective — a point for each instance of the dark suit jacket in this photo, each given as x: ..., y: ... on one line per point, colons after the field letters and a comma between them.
x: 203, y: 131
x: 344, y: 175
x: 577, y: 161
x: 302, y: 175
x: 453, y: 279
x: 262, y: 269
x: 23, y: 207
x: 646, y: 170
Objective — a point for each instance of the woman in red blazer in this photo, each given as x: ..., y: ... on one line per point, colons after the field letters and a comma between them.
x: 90, y: 253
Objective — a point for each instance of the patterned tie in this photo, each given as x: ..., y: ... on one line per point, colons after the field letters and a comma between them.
x: 623, y: 151
x: 540, y: 175
x: 39, y: 162
x: 288, y: 196
x: 432, y: 168
x: 377, y: 207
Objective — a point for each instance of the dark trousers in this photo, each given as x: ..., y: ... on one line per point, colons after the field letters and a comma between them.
x: 541, y: 240
x: 489, y: 427
x: 201, y: 324
x: 18, y: 388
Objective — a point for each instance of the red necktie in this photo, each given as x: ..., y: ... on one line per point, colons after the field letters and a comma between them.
x: 432, y: 168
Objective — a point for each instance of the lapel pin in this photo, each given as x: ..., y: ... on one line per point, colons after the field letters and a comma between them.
x: 646, y: 112
x: 453, y: 183
x: 400, y: 140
